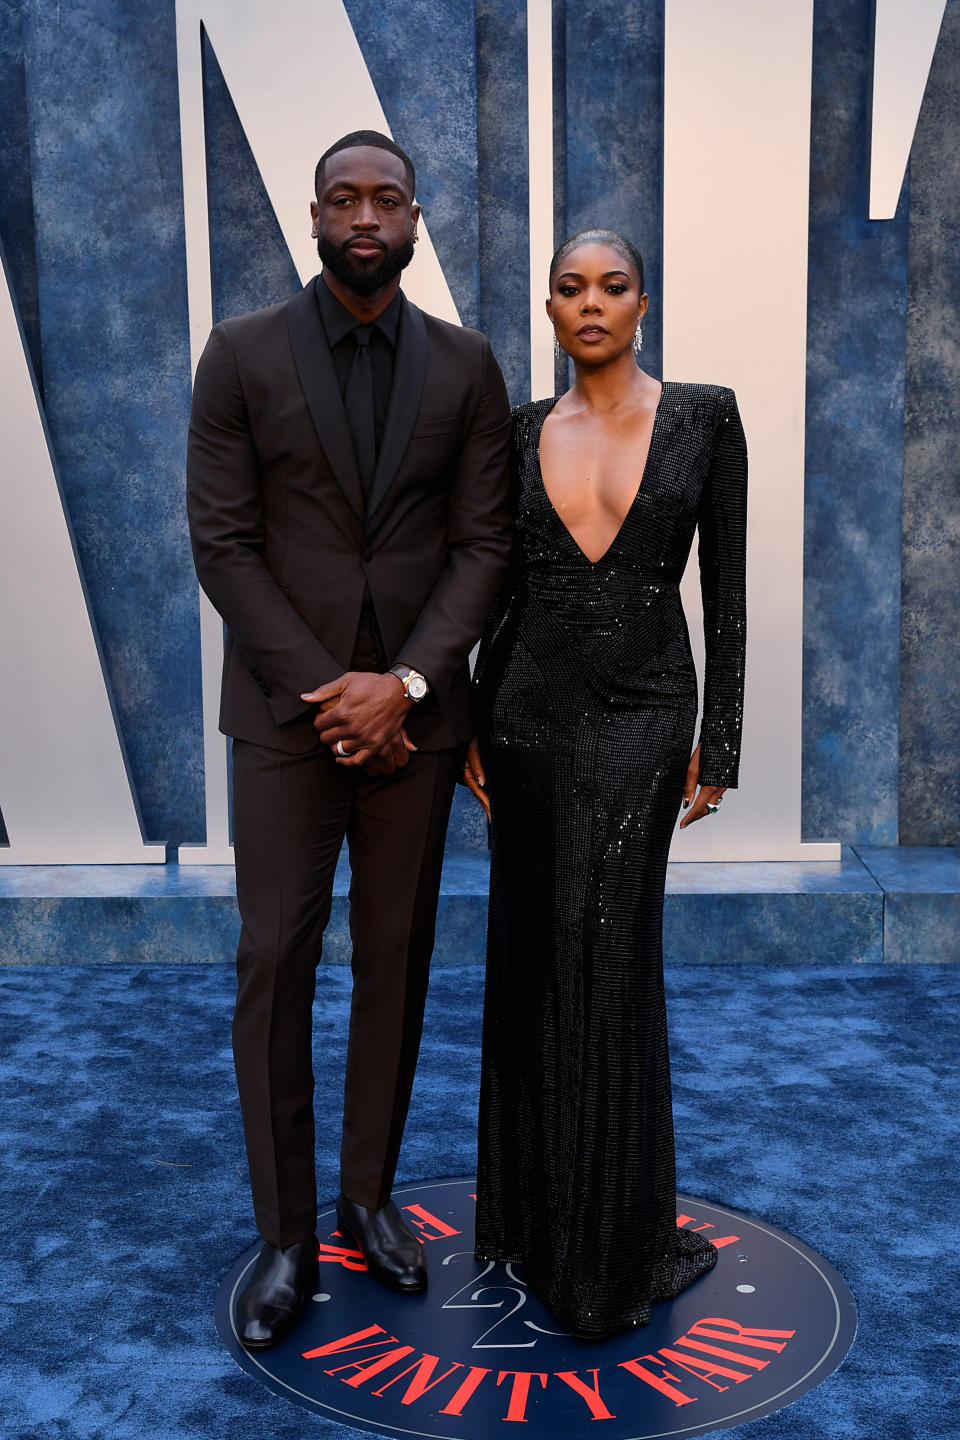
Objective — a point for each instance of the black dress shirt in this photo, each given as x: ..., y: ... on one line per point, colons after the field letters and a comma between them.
x: 339, y: 326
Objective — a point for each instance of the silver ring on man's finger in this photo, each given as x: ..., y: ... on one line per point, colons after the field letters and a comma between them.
x: 340, y: 750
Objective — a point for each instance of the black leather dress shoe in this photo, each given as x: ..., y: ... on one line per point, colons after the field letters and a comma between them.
x: 269, y: 1305
x: 393, y: 1253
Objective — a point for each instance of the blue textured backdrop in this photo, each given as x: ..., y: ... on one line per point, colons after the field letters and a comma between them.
x: 857, y: 302
x: 930, y: 713
x: 91, y: 219
x: 94, y: 91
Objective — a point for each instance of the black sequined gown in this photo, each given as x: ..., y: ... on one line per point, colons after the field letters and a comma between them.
x: 588, y: 701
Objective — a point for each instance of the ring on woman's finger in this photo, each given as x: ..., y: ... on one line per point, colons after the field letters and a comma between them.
x: 340, y: 750
x: 712, y: 809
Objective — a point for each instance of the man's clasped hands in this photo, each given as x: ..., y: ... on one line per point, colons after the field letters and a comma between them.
x: 362, y: 713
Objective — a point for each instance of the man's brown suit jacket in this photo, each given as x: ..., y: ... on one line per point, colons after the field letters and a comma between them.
x: 284, y: 545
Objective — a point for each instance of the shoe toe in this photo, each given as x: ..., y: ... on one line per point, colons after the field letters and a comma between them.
x: 412, y: 1281
x: 264, y: 1326
x: 401, y: 1274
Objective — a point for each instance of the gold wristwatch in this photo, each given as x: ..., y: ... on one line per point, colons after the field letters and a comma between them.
x: 414, y: 685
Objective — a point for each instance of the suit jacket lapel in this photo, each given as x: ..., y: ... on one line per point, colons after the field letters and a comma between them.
x: 408, y: 376
x: 311, y: 355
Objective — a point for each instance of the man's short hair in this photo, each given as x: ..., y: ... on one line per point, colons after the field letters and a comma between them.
x: 357, y: 138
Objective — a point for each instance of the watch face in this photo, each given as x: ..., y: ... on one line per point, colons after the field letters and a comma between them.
x: 416, y: 687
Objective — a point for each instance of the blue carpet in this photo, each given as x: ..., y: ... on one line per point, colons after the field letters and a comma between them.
x: 824, y: 1099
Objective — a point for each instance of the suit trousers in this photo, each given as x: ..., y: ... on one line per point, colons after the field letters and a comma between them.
x: 291, y: 814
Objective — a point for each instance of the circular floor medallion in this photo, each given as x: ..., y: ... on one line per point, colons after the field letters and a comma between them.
x: 478, y: 1352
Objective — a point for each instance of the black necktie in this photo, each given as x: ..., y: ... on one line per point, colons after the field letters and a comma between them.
x: 358, y: 403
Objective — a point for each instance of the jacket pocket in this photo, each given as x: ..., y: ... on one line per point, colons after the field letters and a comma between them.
x: 444, y: 425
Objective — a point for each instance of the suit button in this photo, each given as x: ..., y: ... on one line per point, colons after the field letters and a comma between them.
x: 367, y: 555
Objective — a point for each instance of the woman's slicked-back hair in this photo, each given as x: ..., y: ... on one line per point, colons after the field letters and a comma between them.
x: 625, y: 249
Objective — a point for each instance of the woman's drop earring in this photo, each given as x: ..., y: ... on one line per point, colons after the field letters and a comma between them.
x: 416, y: 238
x: 557, y: 352
x: 638, y: 341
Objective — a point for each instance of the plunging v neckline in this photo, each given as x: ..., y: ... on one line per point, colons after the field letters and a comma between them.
x: 630, y: 508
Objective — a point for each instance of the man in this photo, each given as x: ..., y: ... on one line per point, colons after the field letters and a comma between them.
x: 347, y: 495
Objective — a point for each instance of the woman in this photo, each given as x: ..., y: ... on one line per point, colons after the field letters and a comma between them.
x: 588, y: 702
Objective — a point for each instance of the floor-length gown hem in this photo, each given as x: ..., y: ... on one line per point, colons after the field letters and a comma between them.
x: 577, y: 1322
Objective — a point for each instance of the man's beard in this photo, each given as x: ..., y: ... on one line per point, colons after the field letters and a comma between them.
x: 363, y: 278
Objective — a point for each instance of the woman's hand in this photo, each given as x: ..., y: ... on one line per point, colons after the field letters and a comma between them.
x: 474, y: 778
x: 695, y: 802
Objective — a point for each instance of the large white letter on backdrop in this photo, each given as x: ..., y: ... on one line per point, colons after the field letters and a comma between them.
x: 269, y: 56
x: 904, y: 40
x: 64, y: 789
x: 736, y: 212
